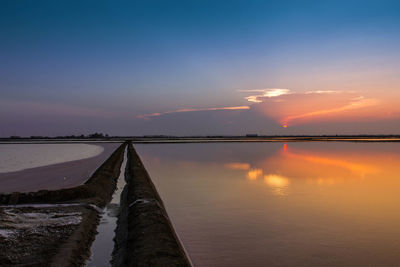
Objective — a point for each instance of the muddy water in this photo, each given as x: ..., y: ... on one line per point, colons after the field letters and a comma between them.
x: 103, y: 245
x: 281, y: 204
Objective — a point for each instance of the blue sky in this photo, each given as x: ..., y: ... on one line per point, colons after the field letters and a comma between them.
x: 69, y: 67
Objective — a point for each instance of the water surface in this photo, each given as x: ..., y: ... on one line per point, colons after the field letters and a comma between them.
x: 293, y: 204
x: 38, y: 167
x: 103, y: 245
x: 17, y: 157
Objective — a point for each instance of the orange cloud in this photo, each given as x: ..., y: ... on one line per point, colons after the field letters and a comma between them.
x: 290, y: 108
x: 293, y: 108
x: 358, y: 103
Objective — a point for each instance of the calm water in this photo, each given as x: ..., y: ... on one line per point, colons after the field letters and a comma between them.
x: 294, y: 204
x: 17, y: 157
x: 103, y: 245
x: 33, y: 167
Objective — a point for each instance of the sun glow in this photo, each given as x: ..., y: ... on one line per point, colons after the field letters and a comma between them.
x: 354, y: 105
x: 289, y: 107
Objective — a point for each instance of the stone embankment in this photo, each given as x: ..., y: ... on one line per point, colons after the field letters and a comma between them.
x: 145, y: 236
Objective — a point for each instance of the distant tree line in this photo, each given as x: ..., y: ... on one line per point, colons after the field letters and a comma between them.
x: 82, y: 136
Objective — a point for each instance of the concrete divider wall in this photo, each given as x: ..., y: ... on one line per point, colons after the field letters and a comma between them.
x: 145, y: 236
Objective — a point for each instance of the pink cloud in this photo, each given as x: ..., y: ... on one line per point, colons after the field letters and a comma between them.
x: 147, y: 116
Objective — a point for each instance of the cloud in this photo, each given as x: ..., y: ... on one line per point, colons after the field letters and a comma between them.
x: 355, y: 104
x: 147, y: 116
x: 322, y: 92
x: 269, y: 92
x: 288, y: 108
x: 209, y: 122
x: 292, y: 108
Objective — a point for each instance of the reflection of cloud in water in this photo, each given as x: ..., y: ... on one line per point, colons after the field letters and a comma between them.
x: 278, y: 183
x: 359, y: 169
x: 253, y: 174
x: 317, y: 168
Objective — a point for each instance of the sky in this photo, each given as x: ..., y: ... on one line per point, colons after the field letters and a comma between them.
x: 199, y: 67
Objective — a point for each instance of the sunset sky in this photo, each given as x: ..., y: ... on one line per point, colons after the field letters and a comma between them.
x: 199, y: 67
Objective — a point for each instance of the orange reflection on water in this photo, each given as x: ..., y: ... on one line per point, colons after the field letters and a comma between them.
x: 355, y: 165
x: 319, y: 167
x: 278, y: 183
x: 253, y: 174
x: 237, y: 166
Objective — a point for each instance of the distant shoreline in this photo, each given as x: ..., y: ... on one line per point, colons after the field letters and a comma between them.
x: 206, y: 139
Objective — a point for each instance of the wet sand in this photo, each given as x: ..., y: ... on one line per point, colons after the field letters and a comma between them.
x: 56, y: 176
x: 32, y: 231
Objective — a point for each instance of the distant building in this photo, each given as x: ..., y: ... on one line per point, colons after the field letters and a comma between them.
x: 251, y: 135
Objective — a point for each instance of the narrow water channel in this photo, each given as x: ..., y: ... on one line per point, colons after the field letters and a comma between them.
x: 103, y: 245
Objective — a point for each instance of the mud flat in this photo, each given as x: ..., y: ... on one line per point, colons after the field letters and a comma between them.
x: 31, y: 236
x: 56, y: 228
x: 145, y: 236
